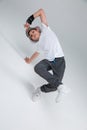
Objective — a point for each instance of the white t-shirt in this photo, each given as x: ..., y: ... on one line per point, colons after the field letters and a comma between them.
x: 49, y: 44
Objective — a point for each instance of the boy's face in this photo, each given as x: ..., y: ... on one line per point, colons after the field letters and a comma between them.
x: 34, y: 35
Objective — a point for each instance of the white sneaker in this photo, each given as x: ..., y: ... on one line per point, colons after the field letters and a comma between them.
x: 36, y: 95
x: 62, y: 90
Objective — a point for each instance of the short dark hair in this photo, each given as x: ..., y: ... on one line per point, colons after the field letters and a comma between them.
x: 32, y: 28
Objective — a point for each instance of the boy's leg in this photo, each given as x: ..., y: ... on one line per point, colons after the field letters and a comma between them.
x: 54, y: 80
x: 42, y: 68
x: 58, y: 68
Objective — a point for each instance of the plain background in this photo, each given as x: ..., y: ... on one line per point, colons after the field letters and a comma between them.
x: 68, y: 19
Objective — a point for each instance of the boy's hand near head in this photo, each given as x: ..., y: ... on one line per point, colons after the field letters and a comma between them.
x: 26, y: 25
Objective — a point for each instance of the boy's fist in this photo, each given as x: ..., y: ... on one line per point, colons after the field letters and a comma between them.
x: 26, y: 25
x: 27, y: 60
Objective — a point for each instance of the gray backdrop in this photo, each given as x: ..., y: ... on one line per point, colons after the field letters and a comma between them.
x: 68, y: 18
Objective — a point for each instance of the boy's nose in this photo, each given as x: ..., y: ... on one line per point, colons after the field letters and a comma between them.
x: 34, y: 35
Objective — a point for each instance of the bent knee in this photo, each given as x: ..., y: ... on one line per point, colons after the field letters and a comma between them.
x: 40, y: 67
x: 37, y: 68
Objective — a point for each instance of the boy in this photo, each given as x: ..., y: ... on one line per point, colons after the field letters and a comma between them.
x: 47, y: 42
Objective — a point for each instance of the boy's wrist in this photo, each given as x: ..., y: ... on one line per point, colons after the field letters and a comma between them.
x: 30, y: 19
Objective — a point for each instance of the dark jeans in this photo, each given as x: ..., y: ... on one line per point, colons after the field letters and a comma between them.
x: 54, y: 79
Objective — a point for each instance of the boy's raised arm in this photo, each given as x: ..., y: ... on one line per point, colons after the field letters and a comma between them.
x: 40, y: 13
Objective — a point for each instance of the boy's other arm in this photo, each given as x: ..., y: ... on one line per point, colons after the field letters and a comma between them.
x: 34, y: 56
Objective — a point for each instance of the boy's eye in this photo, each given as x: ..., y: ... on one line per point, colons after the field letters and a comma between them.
x: 32, y: 31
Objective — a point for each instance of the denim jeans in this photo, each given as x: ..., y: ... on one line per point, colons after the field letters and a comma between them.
x: 54, y: 79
